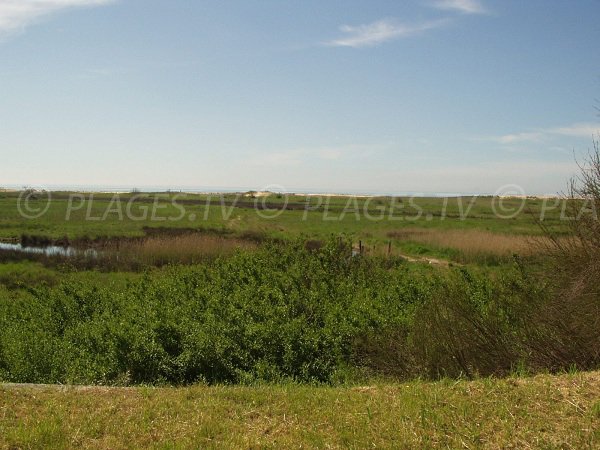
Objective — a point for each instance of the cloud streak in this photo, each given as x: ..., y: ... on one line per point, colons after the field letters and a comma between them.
x: 375, y: 33
x: 15, y: 15
x: 579, y: 130
x: 462, y: 6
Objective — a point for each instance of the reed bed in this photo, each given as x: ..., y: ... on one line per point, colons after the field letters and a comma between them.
x: 183, y: 249
x: 135, y: 254
x: 471, y: 245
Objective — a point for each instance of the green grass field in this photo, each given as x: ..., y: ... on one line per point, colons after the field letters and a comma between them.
x: 489, y: 227
x: 550, y: 412
x: 127, y: 214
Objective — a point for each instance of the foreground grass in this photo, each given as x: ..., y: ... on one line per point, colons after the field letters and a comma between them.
x: 540, y: 412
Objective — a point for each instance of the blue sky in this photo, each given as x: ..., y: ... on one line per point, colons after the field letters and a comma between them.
x: 340, y: 96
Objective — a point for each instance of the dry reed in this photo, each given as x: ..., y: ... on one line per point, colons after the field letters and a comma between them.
x: 470, y: 243
x: 185, y: 249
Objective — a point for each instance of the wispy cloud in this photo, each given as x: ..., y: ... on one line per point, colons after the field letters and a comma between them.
x: 462, y: 6
x: 581, y: 130
x: 527, y: 136
x: 384, y: 30
x: 15, y: 15
x: 577, y: 130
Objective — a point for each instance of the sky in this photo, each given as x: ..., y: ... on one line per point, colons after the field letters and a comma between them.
x: 423, y: 96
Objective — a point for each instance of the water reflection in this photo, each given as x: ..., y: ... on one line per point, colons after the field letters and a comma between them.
x: 50, y: 250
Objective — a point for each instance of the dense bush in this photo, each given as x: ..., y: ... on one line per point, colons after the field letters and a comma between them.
x: 282, y: 312
x: 474, y: 324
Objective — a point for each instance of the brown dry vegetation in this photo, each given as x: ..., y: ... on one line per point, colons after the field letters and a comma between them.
x: 156, y: 249
x: 184, y: 249
x: 569, y: 331
x: 470, y: 243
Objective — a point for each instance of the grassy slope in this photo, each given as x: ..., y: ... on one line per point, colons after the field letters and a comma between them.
x: 541, y: 412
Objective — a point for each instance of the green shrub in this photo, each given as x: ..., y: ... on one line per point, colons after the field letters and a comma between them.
x: 282, y: 312
x: 472, y: 324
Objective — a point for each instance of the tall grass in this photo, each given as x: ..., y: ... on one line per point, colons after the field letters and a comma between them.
x: 135, y: 254
x: 181, y: 249
x: 470, y: 245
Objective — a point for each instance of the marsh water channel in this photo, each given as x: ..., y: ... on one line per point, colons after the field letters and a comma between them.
x: 48, y: 250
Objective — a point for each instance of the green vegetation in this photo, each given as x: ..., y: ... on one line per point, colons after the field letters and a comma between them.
x: 551, y: 412
x: 279, y: 313
x: 316, y: 312
x: 254, y: 289
x: 77, y: 215
x: 462, y: 229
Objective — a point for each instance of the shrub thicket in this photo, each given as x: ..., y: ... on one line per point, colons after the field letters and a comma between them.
x: 282, y: 312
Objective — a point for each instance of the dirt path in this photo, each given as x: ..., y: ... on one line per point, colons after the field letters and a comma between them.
x: 424, y: 259
x: 413, y: 259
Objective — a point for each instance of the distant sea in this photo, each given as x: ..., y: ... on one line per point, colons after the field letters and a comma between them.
x: 233, y: 189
